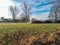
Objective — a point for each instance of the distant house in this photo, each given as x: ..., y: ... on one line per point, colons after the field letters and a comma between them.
x: 8, y: 20
x: 4, y: 19
x: 32, y: 20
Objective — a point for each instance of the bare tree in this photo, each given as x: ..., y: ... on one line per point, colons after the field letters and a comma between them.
x: 14, y: 11
x: 26, y: 11
x: 55, y: 11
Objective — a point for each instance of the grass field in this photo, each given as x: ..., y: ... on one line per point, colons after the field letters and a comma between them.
x: 11, y: 28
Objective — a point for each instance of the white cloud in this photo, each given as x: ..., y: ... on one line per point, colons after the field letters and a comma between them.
x: 43, y: 16
x: 4, y: 4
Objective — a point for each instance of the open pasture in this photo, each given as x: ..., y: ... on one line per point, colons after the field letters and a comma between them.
x: 33, y: 33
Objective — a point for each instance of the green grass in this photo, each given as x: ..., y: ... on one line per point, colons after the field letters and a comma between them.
x: 10, y: 28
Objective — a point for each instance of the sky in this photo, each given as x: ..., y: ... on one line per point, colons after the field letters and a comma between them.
x: 4, y: 4
x: 40, y: 8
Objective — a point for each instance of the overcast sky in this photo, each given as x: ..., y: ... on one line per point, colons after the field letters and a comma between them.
x: 40, y: 8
